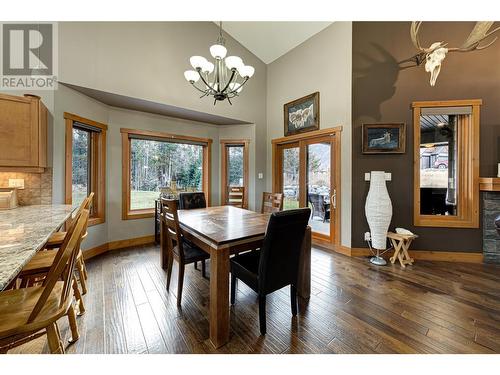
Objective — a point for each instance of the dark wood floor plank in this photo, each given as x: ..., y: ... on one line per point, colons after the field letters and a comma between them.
x: 355, y: 307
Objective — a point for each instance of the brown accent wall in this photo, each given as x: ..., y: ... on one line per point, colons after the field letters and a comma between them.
x: 383, y: 92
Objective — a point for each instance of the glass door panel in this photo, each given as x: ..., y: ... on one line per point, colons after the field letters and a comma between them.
x: 290, y: 177
x: 318, y: 185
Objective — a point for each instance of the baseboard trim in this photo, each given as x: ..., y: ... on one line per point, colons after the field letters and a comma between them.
x: 441, y: 256
x: 116, y: 245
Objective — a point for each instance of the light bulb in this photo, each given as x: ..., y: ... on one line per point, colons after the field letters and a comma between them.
x: 191, y: 76
x: 198, y: 61
x: 218, y: 51
x: 246, y: 71
x: 234, y: 62
x: 208, y: 67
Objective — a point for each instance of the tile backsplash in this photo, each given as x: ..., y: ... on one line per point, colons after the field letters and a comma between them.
x: 37, y: 186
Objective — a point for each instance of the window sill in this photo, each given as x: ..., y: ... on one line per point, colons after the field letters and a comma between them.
x: 139, y: 214
x: 95, y: 221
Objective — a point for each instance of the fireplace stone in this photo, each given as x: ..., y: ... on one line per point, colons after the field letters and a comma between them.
x: 491, y: 238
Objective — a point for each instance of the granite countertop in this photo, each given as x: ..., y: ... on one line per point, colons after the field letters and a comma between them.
x: 24, y: 231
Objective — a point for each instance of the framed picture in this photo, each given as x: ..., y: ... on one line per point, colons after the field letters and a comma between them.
x: 384, y: 138
x: 302, y: 115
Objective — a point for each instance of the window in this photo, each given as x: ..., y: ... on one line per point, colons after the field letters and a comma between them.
x: 85, y: 164
x: 446, y: 163
x: 155, y: 162
x: 234, y: 157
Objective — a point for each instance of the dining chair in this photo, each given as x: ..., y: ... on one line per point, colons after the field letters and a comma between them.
x: 179, y: 249
x: 38, y: 266
x: 236, y: 196
x: 56, y: 239
x: 28, y: 313
x: 189, y: 201
x: 276, y: 264
x: 271, y: 202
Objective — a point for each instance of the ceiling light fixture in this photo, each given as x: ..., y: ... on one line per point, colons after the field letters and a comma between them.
x: 223, y: 79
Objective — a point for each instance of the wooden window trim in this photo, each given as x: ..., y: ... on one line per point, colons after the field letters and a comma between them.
x: 127, y: 213
x: 98, y: 168
x: 468, y: 168
x: 224, y: 163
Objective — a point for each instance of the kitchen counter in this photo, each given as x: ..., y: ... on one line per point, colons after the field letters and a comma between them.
x: 24, y: 231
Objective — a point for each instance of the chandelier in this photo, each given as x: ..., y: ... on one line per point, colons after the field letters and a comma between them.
x: 223, y: 79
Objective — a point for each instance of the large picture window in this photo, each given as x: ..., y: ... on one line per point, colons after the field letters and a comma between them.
x: 156, y: 162
x: 85, y: 164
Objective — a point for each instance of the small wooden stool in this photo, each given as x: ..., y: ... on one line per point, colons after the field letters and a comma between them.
x: 401, y: 244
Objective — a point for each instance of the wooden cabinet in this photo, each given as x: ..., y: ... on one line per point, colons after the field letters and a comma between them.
x: 23, y: 133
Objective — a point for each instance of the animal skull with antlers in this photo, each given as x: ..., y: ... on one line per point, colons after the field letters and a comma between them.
x: 435, y: 54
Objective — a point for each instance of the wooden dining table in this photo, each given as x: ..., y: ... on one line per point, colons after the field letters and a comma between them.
x: 222, y: 231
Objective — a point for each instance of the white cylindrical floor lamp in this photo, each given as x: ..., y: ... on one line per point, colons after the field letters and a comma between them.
x: 378, y: 210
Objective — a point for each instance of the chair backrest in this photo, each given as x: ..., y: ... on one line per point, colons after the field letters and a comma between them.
x: 271, y: 202
x: 170, y: 219
x: 317, y: 203
x: 63, y: 266
x: 188, y: 201
x: 280, y: 252
x: 236, y: 196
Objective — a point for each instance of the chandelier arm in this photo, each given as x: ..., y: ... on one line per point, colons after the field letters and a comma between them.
x: 205, y: 82
x: 197, y: 88
x: 230, y: 80
x: 240, y: 86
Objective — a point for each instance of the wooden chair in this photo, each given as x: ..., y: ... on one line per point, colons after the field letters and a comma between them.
x: 38, y: 267
x: 177, y: 248
x: 271, y: 202
x: 236, y: 196
x: 54, y: 241
x: 28, y: 313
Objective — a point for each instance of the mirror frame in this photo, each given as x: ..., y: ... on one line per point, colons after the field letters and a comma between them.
x: 468, y: 169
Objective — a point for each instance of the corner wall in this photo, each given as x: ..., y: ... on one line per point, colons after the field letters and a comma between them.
x: 322, y: 63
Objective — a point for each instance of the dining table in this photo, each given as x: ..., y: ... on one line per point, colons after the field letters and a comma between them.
x: 222, y: 231
x: 24, y: 231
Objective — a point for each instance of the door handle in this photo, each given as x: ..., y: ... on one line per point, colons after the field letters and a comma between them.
x: 333, y: 199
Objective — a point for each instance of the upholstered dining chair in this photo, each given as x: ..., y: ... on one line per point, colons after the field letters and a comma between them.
x: 189, y: 201
x: 236, y: 196
x: 271, y: 202
x: 276, y: 264
x: 31, y: 312
x: 179, y: 249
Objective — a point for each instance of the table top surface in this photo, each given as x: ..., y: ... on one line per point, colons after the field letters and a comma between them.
x: 224, y: 224
x: 24, y: 231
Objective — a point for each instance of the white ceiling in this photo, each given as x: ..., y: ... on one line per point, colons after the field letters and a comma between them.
x: 270, y: 40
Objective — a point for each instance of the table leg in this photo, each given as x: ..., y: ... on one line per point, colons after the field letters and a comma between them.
x: 304, y: 281
x: 219, y: 297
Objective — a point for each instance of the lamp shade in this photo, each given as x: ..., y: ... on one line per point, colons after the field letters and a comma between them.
x: 218, y: 51
x: 208, y: 67
x: 235, y: 86
x: 191, y: 76
x: 234, y: 62
x: 246, y: 71
x: 198, y: 62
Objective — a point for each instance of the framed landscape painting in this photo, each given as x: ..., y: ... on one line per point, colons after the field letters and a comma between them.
x: 302, y: 115
x: 384, y: 138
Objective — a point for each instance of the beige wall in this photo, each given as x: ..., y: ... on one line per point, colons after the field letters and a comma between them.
x: 322, y: 63
x: 147, y: 60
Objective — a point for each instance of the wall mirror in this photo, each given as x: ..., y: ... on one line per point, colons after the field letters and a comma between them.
x: 446, y: 163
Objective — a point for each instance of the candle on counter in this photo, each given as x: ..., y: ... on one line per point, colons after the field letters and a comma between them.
x: 498, y: 173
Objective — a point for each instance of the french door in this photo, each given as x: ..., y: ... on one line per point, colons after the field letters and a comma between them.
x: 306, y: 171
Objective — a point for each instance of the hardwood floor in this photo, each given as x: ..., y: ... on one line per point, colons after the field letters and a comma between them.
x: 355, y: 307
